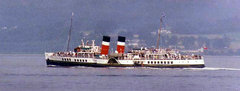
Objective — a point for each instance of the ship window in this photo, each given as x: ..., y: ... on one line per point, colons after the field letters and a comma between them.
x: 158, y: 62
x: 171, y: 62
x: 154, y: 62
x: 161, y: 62
x: 151, y: 62
x: 80, y: 60
x: 62, y: 58
x: 85, y: 60
x: 168, y: 62
x: 148, y: 62
x: 164, y: 62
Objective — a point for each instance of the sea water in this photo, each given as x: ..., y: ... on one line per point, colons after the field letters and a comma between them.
x: 29, y: 72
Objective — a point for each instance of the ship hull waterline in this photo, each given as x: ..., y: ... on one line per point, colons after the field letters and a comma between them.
x: 66, y: 63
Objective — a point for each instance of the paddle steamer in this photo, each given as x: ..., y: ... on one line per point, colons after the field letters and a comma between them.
x: 92, y: 55
x: 96, y: 56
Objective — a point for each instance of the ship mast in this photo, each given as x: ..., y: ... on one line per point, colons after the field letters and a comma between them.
x: 159, y: 31
x: 69, y: 34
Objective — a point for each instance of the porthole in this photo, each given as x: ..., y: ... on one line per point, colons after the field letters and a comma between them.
x: 85, y: 60
x: 158, y: 62
x: 148, y: 62
x: 154, y: 62
x: 151, y: 62
x: 161, y: 62
x: 168, y: 62
x: 171, y: 62
x: 164, y: 62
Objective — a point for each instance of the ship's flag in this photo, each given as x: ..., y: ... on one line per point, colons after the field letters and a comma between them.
x: 205, y: 48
